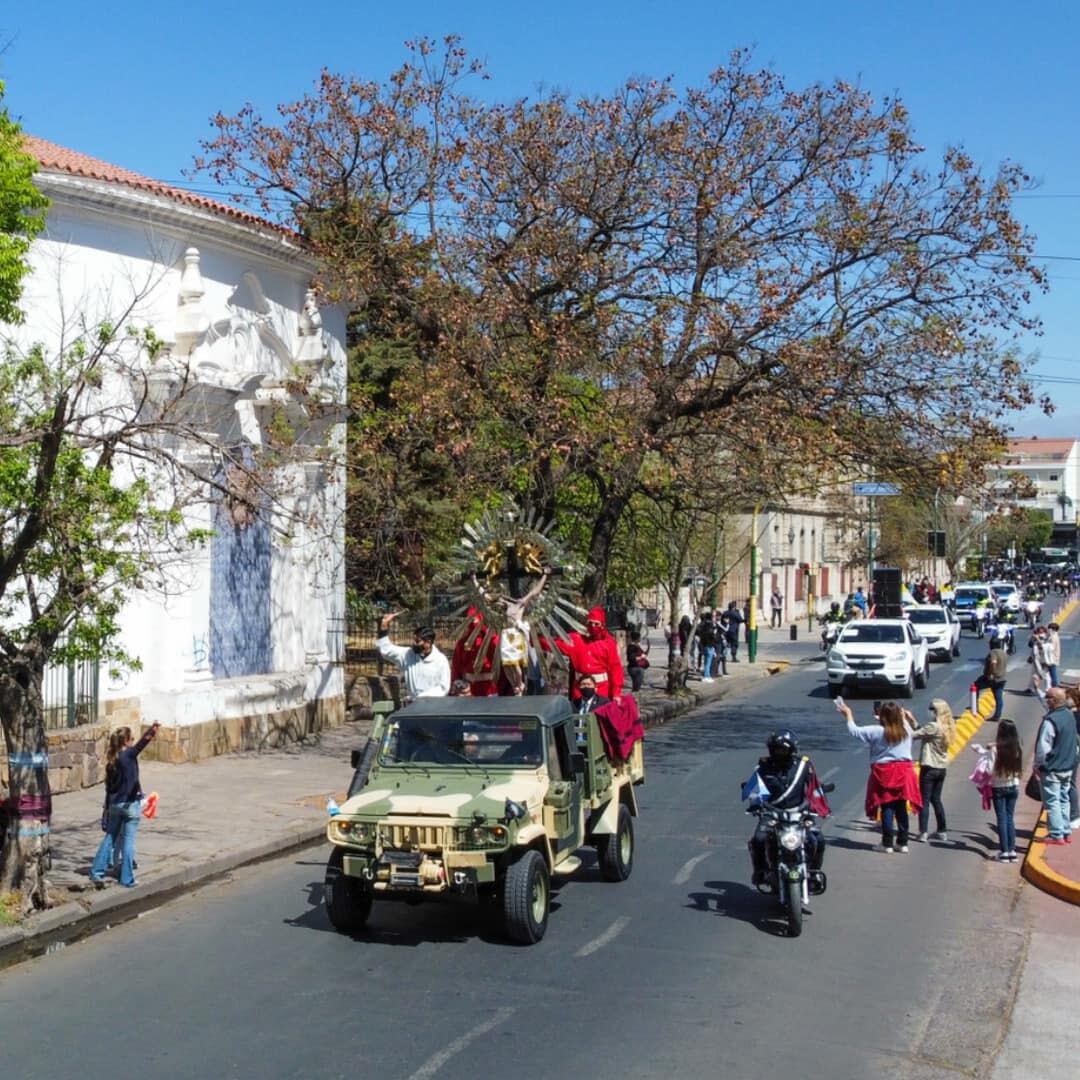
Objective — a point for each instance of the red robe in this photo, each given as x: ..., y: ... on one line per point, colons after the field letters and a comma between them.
x: 596, y: 655
x: 466, y: 662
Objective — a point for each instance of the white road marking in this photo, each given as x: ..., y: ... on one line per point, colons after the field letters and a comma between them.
x: 437, y: 1061
x: 613, y: 931
x: 683, y: 876
x: 832, y: 772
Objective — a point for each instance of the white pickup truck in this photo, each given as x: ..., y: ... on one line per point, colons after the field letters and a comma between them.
x: 871, y: 653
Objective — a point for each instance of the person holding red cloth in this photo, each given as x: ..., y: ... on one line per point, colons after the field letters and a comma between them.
x: 892, y: 783
x: 596, y: 654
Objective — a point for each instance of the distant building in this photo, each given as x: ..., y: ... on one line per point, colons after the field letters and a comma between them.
x: 244, y: 654
x: 1053, y: 467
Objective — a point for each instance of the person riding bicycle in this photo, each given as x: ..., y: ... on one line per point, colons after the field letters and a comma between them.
x: 787, y: 781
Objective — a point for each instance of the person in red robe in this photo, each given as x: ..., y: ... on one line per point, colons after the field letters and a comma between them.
x: 467, y: 664
x: 595, y: 654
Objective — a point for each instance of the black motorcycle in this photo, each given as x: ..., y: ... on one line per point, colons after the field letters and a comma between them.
x: 788, y: 876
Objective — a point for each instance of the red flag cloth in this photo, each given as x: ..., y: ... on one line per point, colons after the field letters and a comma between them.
x: 815, y: 797
x: 620, y: 726
x: 890, y: 781
x: 149, y: 809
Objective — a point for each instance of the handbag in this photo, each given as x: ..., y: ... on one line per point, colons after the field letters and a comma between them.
x: 642, y: 661
x: 1033, y: 787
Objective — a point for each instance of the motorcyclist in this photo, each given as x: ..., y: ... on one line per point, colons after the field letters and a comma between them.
x: 831, y: 622
x: 786, y: 781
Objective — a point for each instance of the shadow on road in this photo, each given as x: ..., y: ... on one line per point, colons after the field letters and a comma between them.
x: 736, y: 900
x: 400, y: 923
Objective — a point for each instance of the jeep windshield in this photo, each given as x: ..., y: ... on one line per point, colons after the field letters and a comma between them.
x: 868, y: 633
x: 463, y: 740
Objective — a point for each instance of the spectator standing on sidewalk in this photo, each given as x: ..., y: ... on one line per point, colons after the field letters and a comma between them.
x: 731, y: 629
x: 892, y: 783
x: 1040, y: 678
x: 123, y: 805
x: 936, y: 738
x: 776, y: 608
x: 1055, y: 760
x: 1005, y: 761
x: 995, y: 674
x: 686, y: 628
x: 424, y: 668
x: 706, y: 636
x: 1052, y: 649
x: 637, y: 659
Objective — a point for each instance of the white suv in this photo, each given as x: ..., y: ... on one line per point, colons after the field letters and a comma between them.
x: 871, y: 652
x: 938, y: 627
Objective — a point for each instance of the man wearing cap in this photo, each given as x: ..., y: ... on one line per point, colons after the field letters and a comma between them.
x: 424, y: 669
x: 595, y: 654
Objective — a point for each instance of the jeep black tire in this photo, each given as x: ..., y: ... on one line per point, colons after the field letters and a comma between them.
x: 616, y: 851
x: 367, y: 759
x: 526, y: 898
x: 348, y: 901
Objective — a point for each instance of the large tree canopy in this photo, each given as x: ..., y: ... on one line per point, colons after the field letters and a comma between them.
x: 773, y: 277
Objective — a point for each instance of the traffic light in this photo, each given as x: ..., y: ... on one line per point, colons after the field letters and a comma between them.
x: 935, y: 543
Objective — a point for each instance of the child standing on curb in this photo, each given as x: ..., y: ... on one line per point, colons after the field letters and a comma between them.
x: 1005, y: 759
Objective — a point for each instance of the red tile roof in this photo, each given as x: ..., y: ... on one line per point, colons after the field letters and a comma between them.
x: 1048, y: 448
x: 60, y: 159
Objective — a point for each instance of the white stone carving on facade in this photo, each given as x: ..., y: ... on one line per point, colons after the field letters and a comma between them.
x: 191, y: 320
x: 311, y: 351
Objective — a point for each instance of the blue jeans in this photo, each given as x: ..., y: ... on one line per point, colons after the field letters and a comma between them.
x: 1004, y: 805
x: 894, y: 813
x: 708, y: 658
x: 1055, y: 790
x: 999, y: 699
x: 1052, y: 671
x: 123, y: 823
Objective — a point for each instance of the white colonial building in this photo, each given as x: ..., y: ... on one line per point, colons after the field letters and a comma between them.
x: 239, y: 650
x: 1053, y: 467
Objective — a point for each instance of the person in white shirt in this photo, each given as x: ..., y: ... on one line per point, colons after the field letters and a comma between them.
x: 424, y: 669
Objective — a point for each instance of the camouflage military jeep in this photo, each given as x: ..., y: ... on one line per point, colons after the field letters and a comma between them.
x: 480, y: 798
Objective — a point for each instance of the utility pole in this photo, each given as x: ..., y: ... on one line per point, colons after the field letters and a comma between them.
x: 751, y: 623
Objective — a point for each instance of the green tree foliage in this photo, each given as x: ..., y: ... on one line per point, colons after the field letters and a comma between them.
x: 1019, y: 528
x: 22, y: 213
x: 780, y: 274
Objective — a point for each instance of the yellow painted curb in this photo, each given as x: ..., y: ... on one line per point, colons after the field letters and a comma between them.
x: 777, y: 666
x: 967, y: 723
x: 1036, y: 870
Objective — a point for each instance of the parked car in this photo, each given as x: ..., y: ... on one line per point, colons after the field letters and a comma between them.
x: 874, y: 652
x: 938, y: 627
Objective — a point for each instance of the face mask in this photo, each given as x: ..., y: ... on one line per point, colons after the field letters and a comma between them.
x: 588, y: 692
x: 419, y: 651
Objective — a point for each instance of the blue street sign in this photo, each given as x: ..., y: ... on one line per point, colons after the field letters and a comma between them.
x: 873, y: 488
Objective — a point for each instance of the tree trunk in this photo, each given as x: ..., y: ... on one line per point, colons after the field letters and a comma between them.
x: 25, y: 855
x: 594, y: 587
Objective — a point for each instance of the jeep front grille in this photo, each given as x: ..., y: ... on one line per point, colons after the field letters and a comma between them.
x: 412, y: 837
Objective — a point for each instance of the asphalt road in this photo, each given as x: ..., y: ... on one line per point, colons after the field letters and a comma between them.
x: 683, y: 970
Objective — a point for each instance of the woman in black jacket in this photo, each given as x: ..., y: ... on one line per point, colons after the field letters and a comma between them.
x: 123, y: 805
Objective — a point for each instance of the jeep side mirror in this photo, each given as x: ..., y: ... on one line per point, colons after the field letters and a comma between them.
x: 577, y: 764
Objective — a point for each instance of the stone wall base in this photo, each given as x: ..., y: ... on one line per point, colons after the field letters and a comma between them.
x: 77, y: 755
x: 263, y: 731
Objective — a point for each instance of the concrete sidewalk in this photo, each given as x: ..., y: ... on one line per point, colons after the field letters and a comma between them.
x: 223, y: 813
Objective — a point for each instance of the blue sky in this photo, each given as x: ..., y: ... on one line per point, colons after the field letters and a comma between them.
x: 135, y: 83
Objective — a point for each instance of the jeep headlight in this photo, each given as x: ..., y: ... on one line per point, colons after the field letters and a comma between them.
x: 836, y: 658
x: 900, y: 654
x: 344, y: 831
x: 476, y: 837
